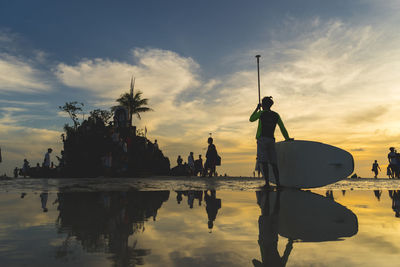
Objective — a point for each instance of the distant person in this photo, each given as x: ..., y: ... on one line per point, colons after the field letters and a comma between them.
x: 268, y: 223
x: 389, y: 172
x: 179, y: 160
x: 257, y: 168
x: 393, y: 163
x: 16, y: 172
x: 47, y: 161
x: 191, y: 163
x: 61, y: 161
x: 25, y: 168
x: 156, y: 145
x: 267, y: 121
x: 375, y: 167
x: 198, y: 165
x: 211, y: 159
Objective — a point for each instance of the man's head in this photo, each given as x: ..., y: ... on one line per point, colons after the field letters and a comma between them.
x: 267, y: 102
x: 210, y: 140
x: 391, y: 149
x: 49, y: 150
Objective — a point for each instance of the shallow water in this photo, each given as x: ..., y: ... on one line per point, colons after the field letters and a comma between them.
x: 81, y: 225
x: 173, y: 183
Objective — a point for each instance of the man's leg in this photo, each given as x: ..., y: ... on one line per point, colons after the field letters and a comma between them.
x: 265, y: 172
x: 276, y: 174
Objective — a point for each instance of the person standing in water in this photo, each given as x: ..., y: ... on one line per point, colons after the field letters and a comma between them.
x: 375, y: 167
x: 267, y: 121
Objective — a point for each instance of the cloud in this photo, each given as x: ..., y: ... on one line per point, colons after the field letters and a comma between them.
x: 22, y: 103
x: 367, y: 116
x: 160, y: 73
x: 19, y: 73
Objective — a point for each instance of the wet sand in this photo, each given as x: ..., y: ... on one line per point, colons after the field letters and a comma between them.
x: 174, y: 183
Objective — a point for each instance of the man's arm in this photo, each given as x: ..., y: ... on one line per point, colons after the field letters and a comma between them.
x: 283, y: 129
x: 256, y: 114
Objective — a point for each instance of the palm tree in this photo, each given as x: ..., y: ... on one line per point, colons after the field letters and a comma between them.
x: 134, y: 103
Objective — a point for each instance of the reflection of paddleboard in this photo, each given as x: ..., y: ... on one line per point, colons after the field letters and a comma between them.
x: 307, y: 164
x: 311, y: 217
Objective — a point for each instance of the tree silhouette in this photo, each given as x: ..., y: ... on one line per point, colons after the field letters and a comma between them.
x: 134, y: 103
x: 72, y: 108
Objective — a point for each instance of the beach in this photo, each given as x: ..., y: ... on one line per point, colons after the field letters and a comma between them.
x: 187, y: 221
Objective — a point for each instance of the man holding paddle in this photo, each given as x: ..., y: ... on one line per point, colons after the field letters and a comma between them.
x: 266, y: 153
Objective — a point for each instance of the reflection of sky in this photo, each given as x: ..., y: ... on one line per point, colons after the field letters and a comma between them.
x: 180, y: 236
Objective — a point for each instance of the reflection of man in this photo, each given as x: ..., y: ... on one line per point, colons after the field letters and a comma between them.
x: 268, y: 233
x: 213, y: 204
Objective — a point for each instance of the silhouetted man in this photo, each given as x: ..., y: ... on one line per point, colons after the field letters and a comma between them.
x: 375, y: 167
x: 267, y: 121
x: 47, y: 161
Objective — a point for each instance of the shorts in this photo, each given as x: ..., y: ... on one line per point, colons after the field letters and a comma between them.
x: 266, y: 150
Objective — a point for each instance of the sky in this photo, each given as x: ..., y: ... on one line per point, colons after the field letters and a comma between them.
x: 331, y: 66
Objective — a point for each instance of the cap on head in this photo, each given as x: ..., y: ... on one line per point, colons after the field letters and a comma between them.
x: 267, y: 101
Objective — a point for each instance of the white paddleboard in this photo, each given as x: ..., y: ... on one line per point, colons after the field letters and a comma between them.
x: 307, y: 164
x: 309, y: 217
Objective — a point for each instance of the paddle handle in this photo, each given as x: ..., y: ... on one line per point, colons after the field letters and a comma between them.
x: 258, y: 75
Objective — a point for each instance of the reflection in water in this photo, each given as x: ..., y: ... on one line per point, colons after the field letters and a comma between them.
x: 268, y: 224
x: 213, y: 204
x: 110, y: 228
x: 43, y: 200
x: 395, y: 196
x: 301, y: 216
x: 329, y: 194
x: 103, y: 222
x: 378, y: 194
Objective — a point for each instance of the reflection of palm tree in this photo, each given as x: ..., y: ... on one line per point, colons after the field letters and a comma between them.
x: 134, y: 103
